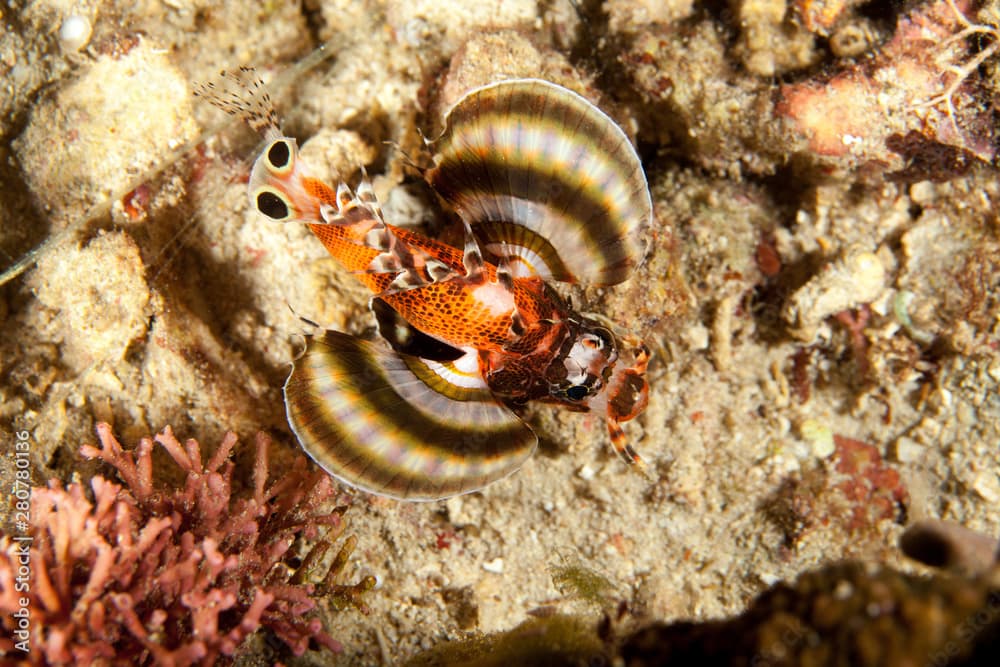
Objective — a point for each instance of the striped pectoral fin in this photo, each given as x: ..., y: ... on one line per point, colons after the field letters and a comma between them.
x: 524, y: 253
x: 398, y: 425
x: 539, y: 169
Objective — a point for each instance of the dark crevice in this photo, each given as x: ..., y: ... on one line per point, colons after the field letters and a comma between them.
x: 315, y: 23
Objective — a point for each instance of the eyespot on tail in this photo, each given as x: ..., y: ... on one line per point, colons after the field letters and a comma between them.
x: 281, y: 189
x: 242, y: 93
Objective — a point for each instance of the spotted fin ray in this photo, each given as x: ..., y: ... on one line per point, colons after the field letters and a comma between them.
x: 398, y: 425
x: 547, y: 180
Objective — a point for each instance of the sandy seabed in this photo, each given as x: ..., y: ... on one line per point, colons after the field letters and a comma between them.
x: 821, y: 291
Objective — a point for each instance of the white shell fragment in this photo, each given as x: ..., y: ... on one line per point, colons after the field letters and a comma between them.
x: 858, y: 277
x: 495, y: 566
x: 819, y: 436
x: 74, y: 33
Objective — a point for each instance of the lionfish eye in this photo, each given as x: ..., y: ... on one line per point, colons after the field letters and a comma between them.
x: 279, y: 156
x: 272, y: 204
x: 607, y: 338
x: 577, y: 392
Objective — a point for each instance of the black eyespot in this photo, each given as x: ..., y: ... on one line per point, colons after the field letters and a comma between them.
x: 272, y: 205
x: 576, y: 392
x: 278, y: 154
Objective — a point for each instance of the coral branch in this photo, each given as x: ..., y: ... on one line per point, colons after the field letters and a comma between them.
x: 175, y: 576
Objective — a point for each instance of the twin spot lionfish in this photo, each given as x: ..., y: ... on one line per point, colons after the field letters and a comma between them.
x: 547, y: 188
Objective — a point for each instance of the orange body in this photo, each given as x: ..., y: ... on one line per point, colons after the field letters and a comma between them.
x: 477, y: 316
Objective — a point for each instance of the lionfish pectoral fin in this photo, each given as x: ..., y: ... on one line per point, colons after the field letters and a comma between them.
x: 523, y: 252
x: 536, y: 166
x: 398, y: 425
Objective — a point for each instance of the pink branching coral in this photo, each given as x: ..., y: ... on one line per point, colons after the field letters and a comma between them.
x: 173, y: 576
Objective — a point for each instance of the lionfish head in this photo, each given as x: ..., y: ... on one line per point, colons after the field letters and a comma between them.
x: 601, y: 372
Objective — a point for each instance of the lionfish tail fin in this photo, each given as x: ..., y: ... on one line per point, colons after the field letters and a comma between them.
x: 242, y: 93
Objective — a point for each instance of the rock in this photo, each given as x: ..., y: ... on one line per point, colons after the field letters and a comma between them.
x: 859, y: 277
x: 98, y: 134
x: 98, y: 298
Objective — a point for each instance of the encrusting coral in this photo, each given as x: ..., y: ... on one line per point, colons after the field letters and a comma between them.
x: 180, y: 575
x: 848, y: 613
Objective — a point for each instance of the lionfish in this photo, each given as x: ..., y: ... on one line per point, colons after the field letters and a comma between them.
x: 547, y: 188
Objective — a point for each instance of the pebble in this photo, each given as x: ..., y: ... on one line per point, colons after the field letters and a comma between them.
x: 495, y: 566
x: 987, y: 485
x: 907, y: 450
x: 696, y: 337
x: 116, y: 118
x: 74, y: 33
x: 819, y: 436
x: 859, y: 277
x: 994, y: 370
